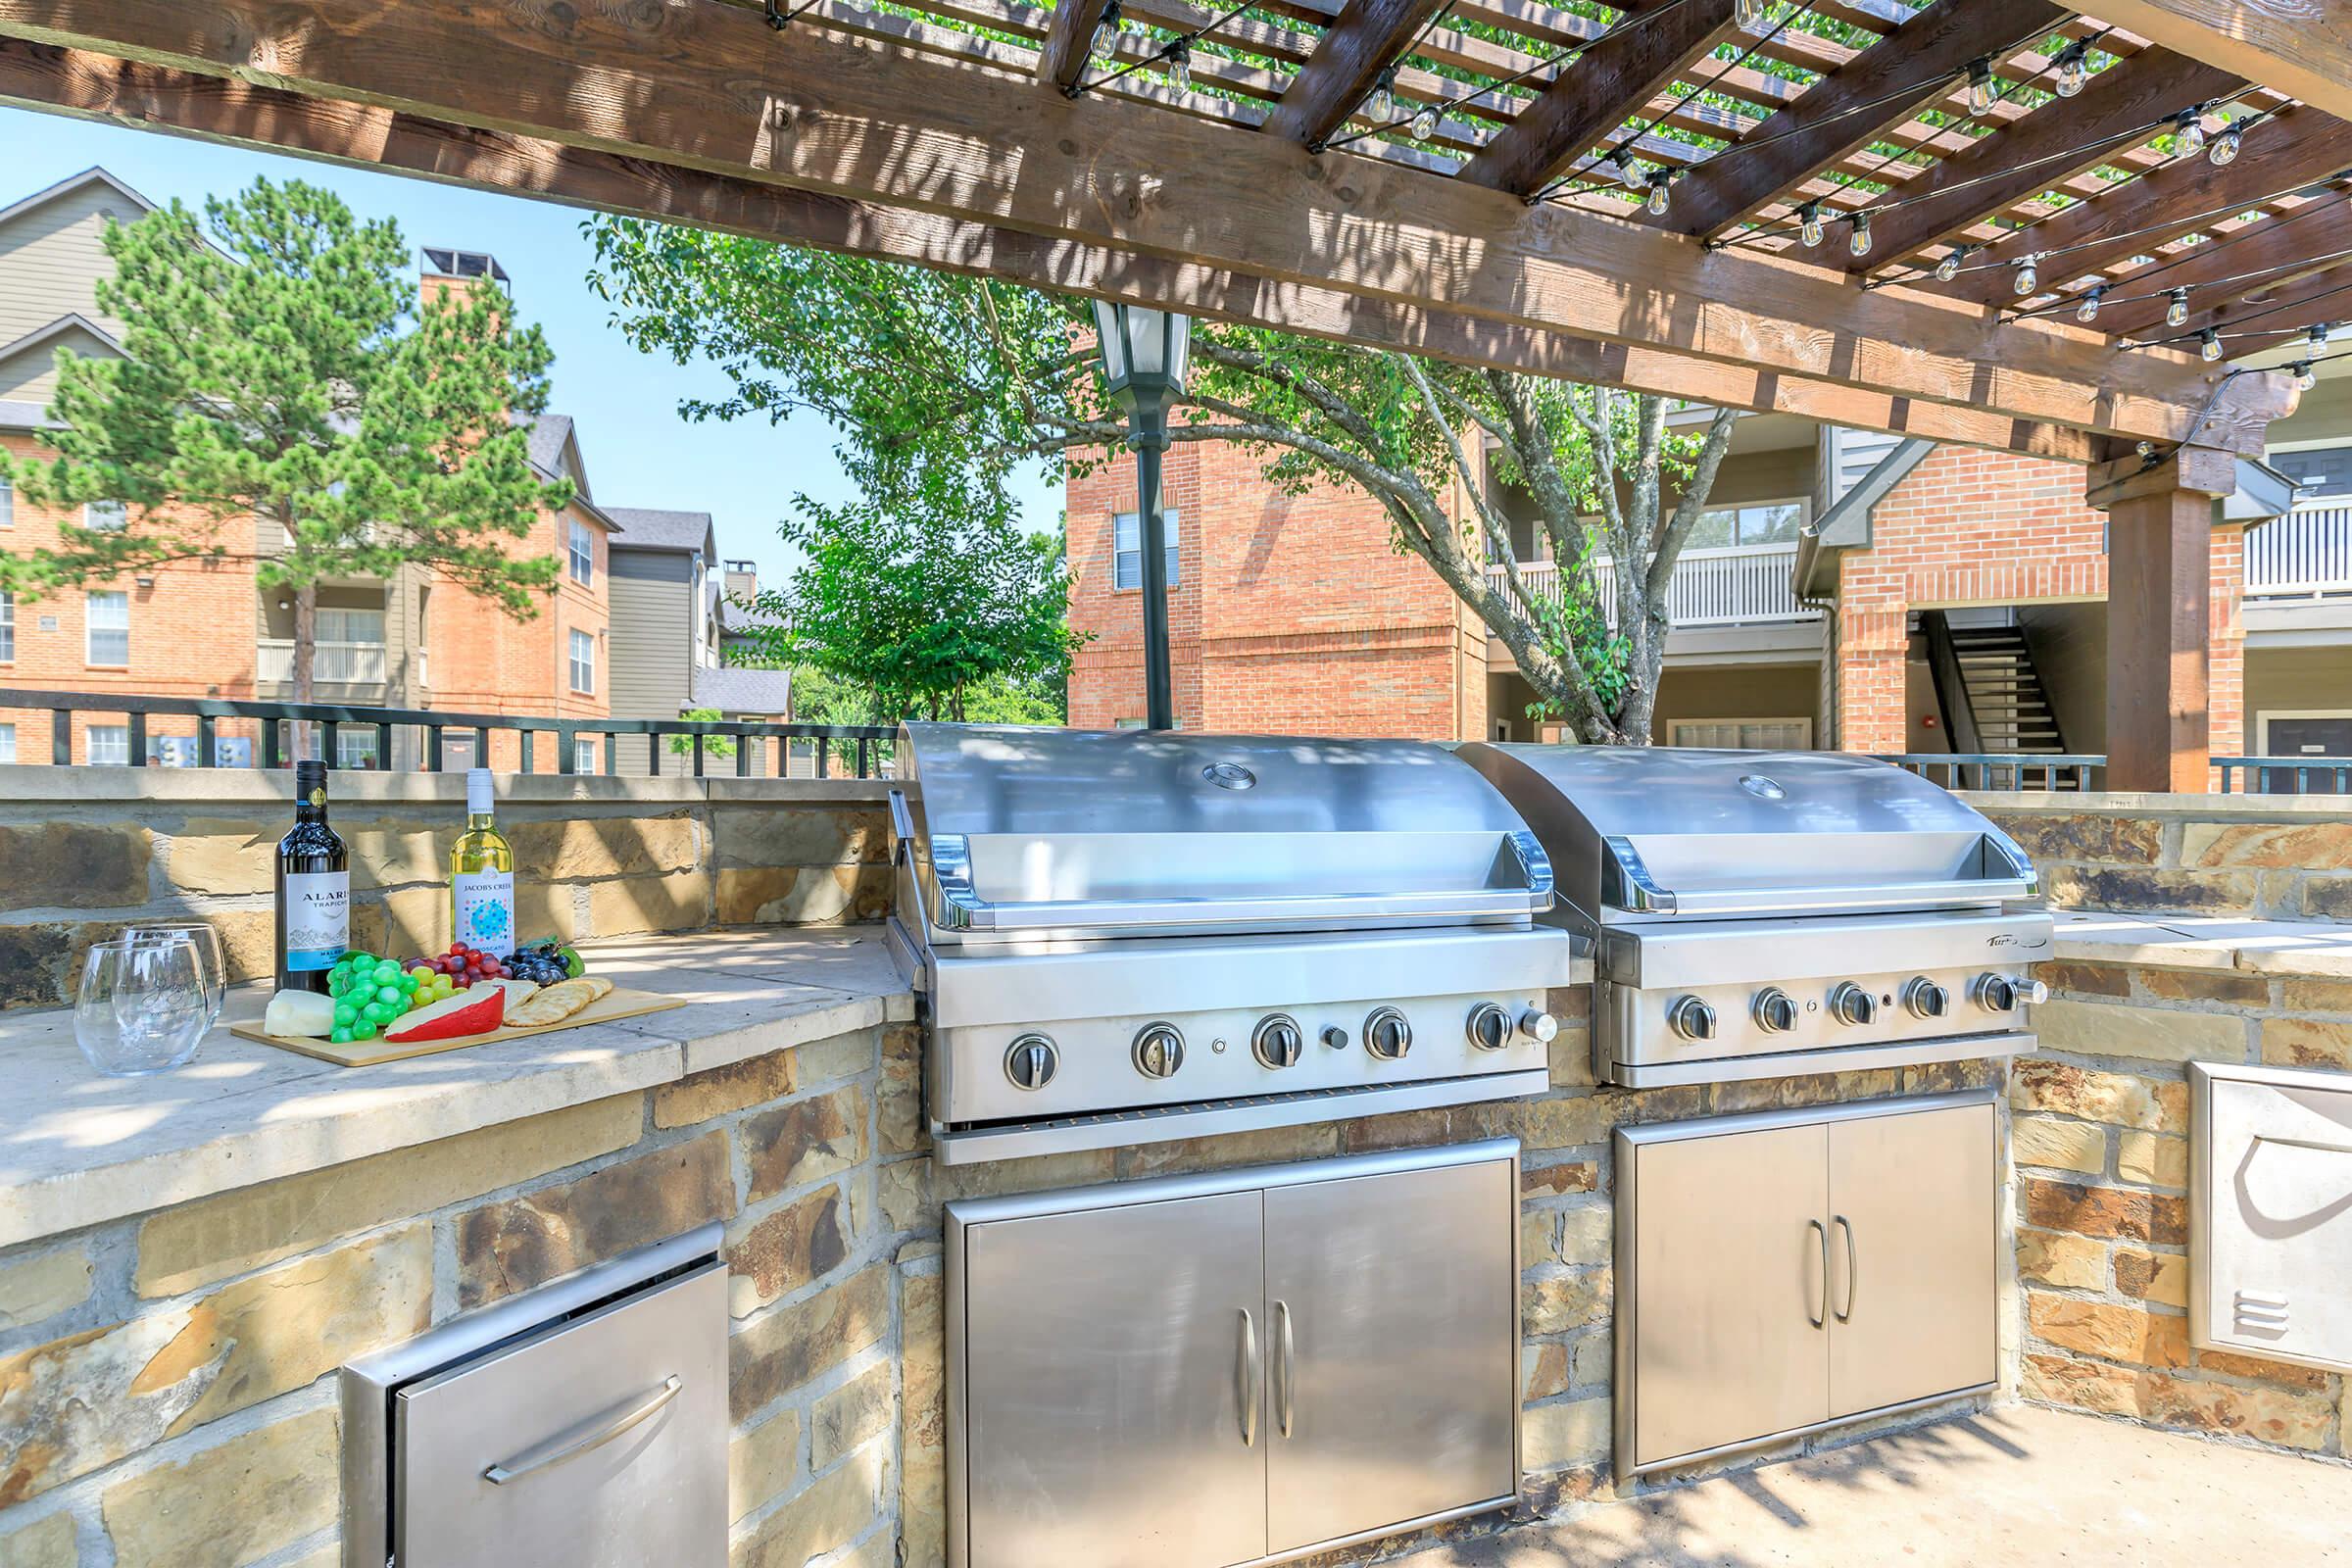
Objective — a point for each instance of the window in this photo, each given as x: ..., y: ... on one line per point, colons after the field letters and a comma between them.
x: 7, y: 502
x: 584, y: 553
x: 8, y: 742
x: 110, y: 745
x: 583, y: 755
x: 356, y: 748
x: 8, y: 628
x: 1745, y: 734
x: 1773, y: 523
x: 1127, y: 550
x: 2324, y: 471
x: 584, y: 662
x: 105, y: 515
x: 107, y: 619
x: 351, y: 646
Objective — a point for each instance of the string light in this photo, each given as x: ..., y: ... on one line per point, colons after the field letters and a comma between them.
x: 2305, y: 380
x: 2192, y: 132
x: 2177, y: 312
x: 1661, y: 192
x: 2209, y: 345
x: 1106, y: 45
x: 1380, y: 104
x: 1949, y: 267
x: 2073, y: 69
x: 1179, y: 56
x: 2088, y: 310
x: 1810, y: 227
x: 2224, y: 149
x: 1982, y: 94
x: 1426, y: 122
x: 2317, y: 337
x: 2027, y: 278
x: 1749, y: 13
x: 1859, y: 243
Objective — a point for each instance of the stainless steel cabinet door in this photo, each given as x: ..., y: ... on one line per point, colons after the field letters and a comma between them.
x: 1114, y: 1387
x: 1728, y: 1289
x: 1393, y: 1311
x: 1914, y: 1240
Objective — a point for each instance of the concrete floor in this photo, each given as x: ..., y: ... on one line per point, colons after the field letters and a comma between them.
x: 2013, y: 1489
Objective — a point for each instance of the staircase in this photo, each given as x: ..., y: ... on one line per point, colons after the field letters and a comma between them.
x: 1992, y: 698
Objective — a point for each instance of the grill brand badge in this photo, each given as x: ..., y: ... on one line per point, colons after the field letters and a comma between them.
x: 1762, y: 787
x: 1229, y: 776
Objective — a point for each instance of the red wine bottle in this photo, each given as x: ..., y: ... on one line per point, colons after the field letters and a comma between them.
x: 313, y: 888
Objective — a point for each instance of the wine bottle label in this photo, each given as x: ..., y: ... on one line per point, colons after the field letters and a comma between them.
x: 317, y: 918
x: 482, y: 909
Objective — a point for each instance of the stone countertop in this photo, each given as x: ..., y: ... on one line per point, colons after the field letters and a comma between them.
x: 2190, y: 941
x: 76, y: 1149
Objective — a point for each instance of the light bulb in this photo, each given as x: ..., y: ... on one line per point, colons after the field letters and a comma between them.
x: 1981, y: 93
x: 1179, y: 56
x: 2088, y: 310
x: 2224, y: 149
x: 2176, y: 310
x: 2317, y: 337
x: 1380, y: 104
x: 1106, y: 45
x: 1810, y: 227
x: 1860, y: 242
x: 1608, y: 172
x: 2072, y: 69
x: 1749, y: 13
x: 2209, y: 345
x: 2027, y: 278
x: 2193, y: 133
x: 1949, y: 267
x: 1661, y: 194
x: 1426, y: 122
x: 2304, y: 379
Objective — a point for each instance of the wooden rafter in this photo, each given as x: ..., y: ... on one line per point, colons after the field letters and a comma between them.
x: 2123, y: 105
x: 2264, y: 255
x: 1587, y: 100
x: 704, y: 87
x: 1364, y: 42
x: 1062, y: 59
x: 2303, y: 48
x: 2279, y: 307
x: 1853, y: 106
x: 2289, y: 149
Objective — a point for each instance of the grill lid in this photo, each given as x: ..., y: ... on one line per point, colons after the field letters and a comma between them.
x: 1068, y: 833
x: 1665, y: 832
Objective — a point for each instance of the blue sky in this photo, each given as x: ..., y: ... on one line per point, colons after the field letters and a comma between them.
x: 639, y: 452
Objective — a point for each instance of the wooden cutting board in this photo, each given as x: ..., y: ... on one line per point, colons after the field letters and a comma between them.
x: 617, y: 1004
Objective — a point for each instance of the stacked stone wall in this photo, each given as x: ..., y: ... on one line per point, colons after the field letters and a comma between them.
x: 2265, y: 857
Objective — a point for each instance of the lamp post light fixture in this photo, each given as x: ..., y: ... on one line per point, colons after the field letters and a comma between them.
x: 1145, y: 354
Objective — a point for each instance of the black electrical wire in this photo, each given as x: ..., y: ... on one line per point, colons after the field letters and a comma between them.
x: 1161, y: 53
x: 2314, y: 263
x: 2236, y: 328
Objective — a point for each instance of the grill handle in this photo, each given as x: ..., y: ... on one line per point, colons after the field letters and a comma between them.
x: 901, y: 821
x: 1654, y: 899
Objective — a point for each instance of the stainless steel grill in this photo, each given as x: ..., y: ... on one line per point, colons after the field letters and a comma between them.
x: 1757, y: 914
x: 1131, y: 936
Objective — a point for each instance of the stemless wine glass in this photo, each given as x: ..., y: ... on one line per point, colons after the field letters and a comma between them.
x: 211, y: 972
x: 141, y: 1008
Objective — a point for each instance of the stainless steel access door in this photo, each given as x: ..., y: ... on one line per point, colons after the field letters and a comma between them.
x: 1114, y: 1378
x: 1914, y: 1234
x: 1391, y: 1361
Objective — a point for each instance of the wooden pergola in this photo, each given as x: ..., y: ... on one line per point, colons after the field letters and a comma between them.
x: 1850, y: 189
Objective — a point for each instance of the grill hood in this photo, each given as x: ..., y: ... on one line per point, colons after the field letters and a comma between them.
x: 1658, y: 834
x: 1024, y: 834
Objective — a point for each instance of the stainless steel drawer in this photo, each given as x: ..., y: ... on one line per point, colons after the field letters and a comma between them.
x: 584, y: 1426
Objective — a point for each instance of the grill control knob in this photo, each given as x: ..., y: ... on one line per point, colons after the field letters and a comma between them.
x: 1540, y: 1026
x: 1335, y: 1037
x: 1997, y: 993
x: 1276, y: 1041
x: 1031, y: 1062
x: 1774, y: 1010
x: 1850, y: 1004
x: 1690, y: 1018
x: 1387, y: 1035
x: 1158, y: 1049
x: 1923, y: 998
x: 1490, y: 1027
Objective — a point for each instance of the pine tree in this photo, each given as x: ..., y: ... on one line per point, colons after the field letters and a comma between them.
x: 281, y: 368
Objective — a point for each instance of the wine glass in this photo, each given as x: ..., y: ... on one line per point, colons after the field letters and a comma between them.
x: 211, y: 972
x: 141, y: 1008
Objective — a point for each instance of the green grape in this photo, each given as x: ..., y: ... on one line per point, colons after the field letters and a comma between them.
x: 386, y: 972
x: 363, y: 1030
x: 345, y: 1014
x: 387, y: 993
x: 342, y: 1034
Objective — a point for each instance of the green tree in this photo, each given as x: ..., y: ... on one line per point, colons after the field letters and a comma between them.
x: 281, y: 368
x: 943, y: 387
x: 918, y: 611
x: 722, y: 747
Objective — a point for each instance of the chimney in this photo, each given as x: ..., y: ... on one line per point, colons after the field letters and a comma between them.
x: 442, y: 269
x: 741, y: 581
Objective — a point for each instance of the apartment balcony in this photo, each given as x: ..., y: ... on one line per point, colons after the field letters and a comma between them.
x: 1740, y: 586
x: 2299, y: 576
x: 340, y: 671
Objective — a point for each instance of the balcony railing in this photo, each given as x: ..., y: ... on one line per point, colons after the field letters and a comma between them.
x: 2306, y: 554
x: 1732, y: 587
x: 347, y: 663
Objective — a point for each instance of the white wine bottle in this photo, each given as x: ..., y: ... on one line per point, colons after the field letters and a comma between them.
x: 481, y: 876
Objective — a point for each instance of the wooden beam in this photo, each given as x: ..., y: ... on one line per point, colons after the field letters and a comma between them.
x: 1846, y: 110
x: 2302, y: 48
x: 2204, y: 470
x: 1062, y: 59
x: 2123, y: 106
x: 703, y: 85
x: 1364, y: 42
x: 1611, y: 81
x: 2268, y: 256
x: 2293, y: 148
x: 2159, y: 594
x: 217, y: 109
x: 2266, y: 315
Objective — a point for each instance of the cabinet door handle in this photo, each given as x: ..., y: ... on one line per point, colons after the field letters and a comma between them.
x: 593, y: 1434
x: 1822, y: 1233
x: 1246, y: 1375
x: 1853, y: 1267
x: 1283, y: 1351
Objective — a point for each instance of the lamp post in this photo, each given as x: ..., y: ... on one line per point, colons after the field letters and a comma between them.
x: 1145, y: 355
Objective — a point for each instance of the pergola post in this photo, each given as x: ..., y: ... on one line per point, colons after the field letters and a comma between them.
x: 2158, y: 615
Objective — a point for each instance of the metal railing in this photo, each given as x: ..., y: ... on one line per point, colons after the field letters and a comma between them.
x: 868, y: 750
x: 2002, y: 770
x: 346, y: 663
x: 2306, y: 554
x: 2286, y: 775
x: 1730, y: 587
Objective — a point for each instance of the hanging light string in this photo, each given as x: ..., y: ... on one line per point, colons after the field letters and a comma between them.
x: 779, y: 19
x: 1380, y: 104
x: 1176, y: 53
x: 1623, y: 24
x: 1661, y: 180
x: 2237, y: 329
x: 2311, y: 263
x: 1974, y: 116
